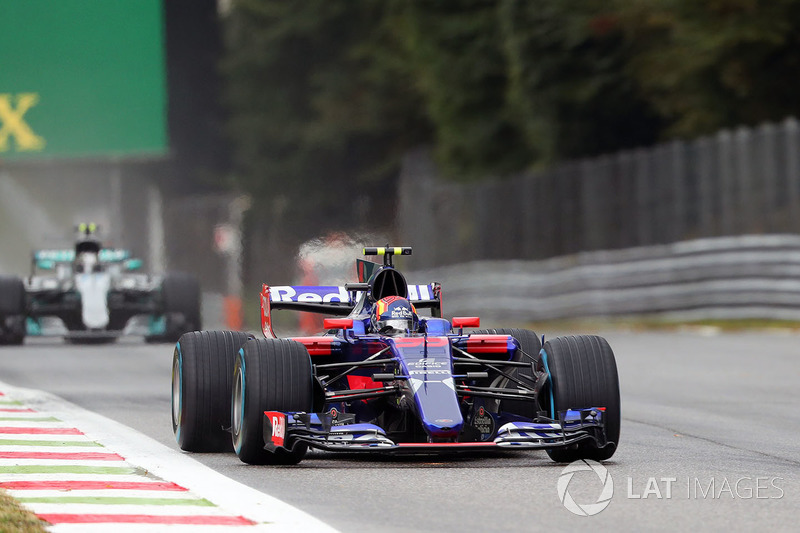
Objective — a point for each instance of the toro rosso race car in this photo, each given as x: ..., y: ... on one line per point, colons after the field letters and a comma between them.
x: 91, y: 294
x: 384, y: 379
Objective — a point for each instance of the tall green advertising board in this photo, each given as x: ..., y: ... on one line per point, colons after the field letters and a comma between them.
x: 82, y: 78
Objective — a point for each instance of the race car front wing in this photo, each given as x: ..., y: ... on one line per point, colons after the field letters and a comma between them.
x: 339, y: 432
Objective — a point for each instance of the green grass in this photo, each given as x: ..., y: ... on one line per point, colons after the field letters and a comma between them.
x: 14, y: 519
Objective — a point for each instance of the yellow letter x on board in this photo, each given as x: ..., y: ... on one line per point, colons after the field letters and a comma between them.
x: 11, y: 123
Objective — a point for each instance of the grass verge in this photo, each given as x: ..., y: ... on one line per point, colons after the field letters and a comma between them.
x: 15, y: 519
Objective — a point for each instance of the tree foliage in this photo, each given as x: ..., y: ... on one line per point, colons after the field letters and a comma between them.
x: 456, y: 55
x: 326, y: 95
x: 568, y: 85
x: 709, y: 64
x: 319, y: 101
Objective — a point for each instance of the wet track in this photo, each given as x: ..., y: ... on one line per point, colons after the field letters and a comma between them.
x: 710, y: 440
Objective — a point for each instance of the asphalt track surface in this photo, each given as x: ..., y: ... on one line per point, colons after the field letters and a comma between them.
x: 719, y: 415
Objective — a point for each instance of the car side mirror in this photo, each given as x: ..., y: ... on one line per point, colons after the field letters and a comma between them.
x: 466, y: 322
x: 337, y: 323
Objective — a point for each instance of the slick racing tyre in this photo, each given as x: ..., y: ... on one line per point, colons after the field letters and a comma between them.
x: 12, y: 310
x: 180, y: 295
x: 202, y: 367
x: 269, y: 375
x: 530, y: 346
x: 583, y: 374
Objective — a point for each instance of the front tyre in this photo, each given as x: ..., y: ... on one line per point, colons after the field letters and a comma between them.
x: 12, y: 310
x: 202, y: 368
x: 180, y: 307
x: 583, y: 374
x: 269, y: 375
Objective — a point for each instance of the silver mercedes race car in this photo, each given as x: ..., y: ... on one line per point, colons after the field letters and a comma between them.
x: 95, y: 294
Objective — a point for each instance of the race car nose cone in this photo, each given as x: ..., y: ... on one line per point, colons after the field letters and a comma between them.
x: 444, y: 428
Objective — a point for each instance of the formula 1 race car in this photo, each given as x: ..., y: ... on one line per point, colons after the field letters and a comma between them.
x: 94, y: 293
x: 383, y: 379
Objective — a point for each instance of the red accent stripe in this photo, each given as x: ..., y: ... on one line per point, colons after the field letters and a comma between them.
x: 61, y: 518
x: 91, y: 485
x: 487, y: 344
x: 444, y: 444
x: 23, y: 410
x: 316, y: 345
x: 79, y: 456
x: 40, y: 431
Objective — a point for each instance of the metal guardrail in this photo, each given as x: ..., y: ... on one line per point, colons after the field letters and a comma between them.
x: 750, y: 276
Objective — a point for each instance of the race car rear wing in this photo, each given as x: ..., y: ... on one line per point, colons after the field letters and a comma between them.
x: 49, y: 259
x: 333, y: 299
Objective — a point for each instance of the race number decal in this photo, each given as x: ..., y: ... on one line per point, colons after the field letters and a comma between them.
x: 278, y: 423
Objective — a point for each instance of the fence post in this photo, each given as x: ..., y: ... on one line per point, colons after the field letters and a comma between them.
x: 747, y: 193
x: 677, y: 176
x: 705, y: 187
x: 792, y: 148
x: 727, y: 184
x: 547, y: 216
x: 626, y: 200
x: 529, y: 207
x: 767, y: 163
x: 643, y: 192
x: 574, y: 216
x: 589, y: 204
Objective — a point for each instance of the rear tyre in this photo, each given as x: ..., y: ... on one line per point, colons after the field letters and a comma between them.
x: 583, y: 374
x: 12, y: 310
x: 202, y: 367
x: 530, y: 345
x: 269, y: 375
x: 180, y: 295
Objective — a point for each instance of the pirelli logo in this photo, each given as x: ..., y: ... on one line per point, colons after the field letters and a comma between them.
x: 13, y: 124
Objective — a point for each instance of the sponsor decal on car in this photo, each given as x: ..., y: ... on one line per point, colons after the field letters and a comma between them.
x: 429, y: 363
x: 332, y: 293
x: 323, y: 294
x: 484, y: 423
x: 402, y: 312
x: 278, y: 423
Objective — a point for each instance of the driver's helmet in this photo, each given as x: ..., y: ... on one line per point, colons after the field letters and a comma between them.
x: 87, y: 262
x: 394, y: 315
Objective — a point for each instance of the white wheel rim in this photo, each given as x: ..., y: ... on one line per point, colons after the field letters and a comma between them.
x: 238, y: 401
x: 176, y: 390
